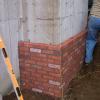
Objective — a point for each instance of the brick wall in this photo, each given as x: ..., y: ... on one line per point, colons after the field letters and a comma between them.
x: 48, y: 68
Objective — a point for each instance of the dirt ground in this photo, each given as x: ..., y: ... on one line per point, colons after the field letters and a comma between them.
x: 83, y: 87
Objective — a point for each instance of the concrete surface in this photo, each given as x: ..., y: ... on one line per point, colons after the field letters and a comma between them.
x: 53, y: 21
x: 9, y: 31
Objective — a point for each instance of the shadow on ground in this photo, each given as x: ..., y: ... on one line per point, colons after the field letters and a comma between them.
x: 85, y: 87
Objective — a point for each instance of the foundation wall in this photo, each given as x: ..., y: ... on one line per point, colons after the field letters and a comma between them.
x: 52, y: 21
x: 50, y: 68
x: 51, y: 44
x: 50, y: 34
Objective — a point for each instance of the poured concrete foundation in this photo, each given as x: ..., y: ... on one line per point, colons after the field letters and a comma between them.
x: 53, y: 21
x: 45, y: 29
x: 52, y: 44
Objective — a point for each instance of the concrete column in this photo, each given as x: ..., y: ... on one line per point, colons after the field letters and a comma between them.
x: 55, y: 21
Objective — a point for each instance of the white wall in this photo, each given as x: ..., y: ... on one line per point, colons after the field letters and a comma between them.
x: 9, y: 30
x: 53, y: 21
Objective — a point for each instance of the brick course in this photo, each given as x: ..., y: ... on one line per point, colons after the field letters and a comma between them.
x: 48, y: 68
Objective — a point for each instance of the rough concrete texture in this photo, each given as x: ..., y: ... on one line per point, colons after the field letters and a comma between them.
x: 53, y: 21
x: 9, y: 31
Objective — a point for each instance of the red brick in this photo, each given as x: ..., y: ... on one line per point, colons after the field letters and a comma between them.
x: 54, y: 57
x: 20, y: 44
x: 42, y: 63
x: 35, y: 50
x: 54, y: 82
x: 37, y: 90
x: 46, y: 67
x: 30, y: 61
x: 54, y: 66
x: 23, y: 49
x: 56, y: 62
x: 54, y: 47
x: 47, y: 52
x: 39, y: 45
x: 42, y: 72
x: 38, y: 56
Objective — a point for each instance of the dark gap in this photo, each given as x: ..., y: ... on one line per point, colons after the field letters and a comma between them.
x: 18, y: 91
x: 4, y: 52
